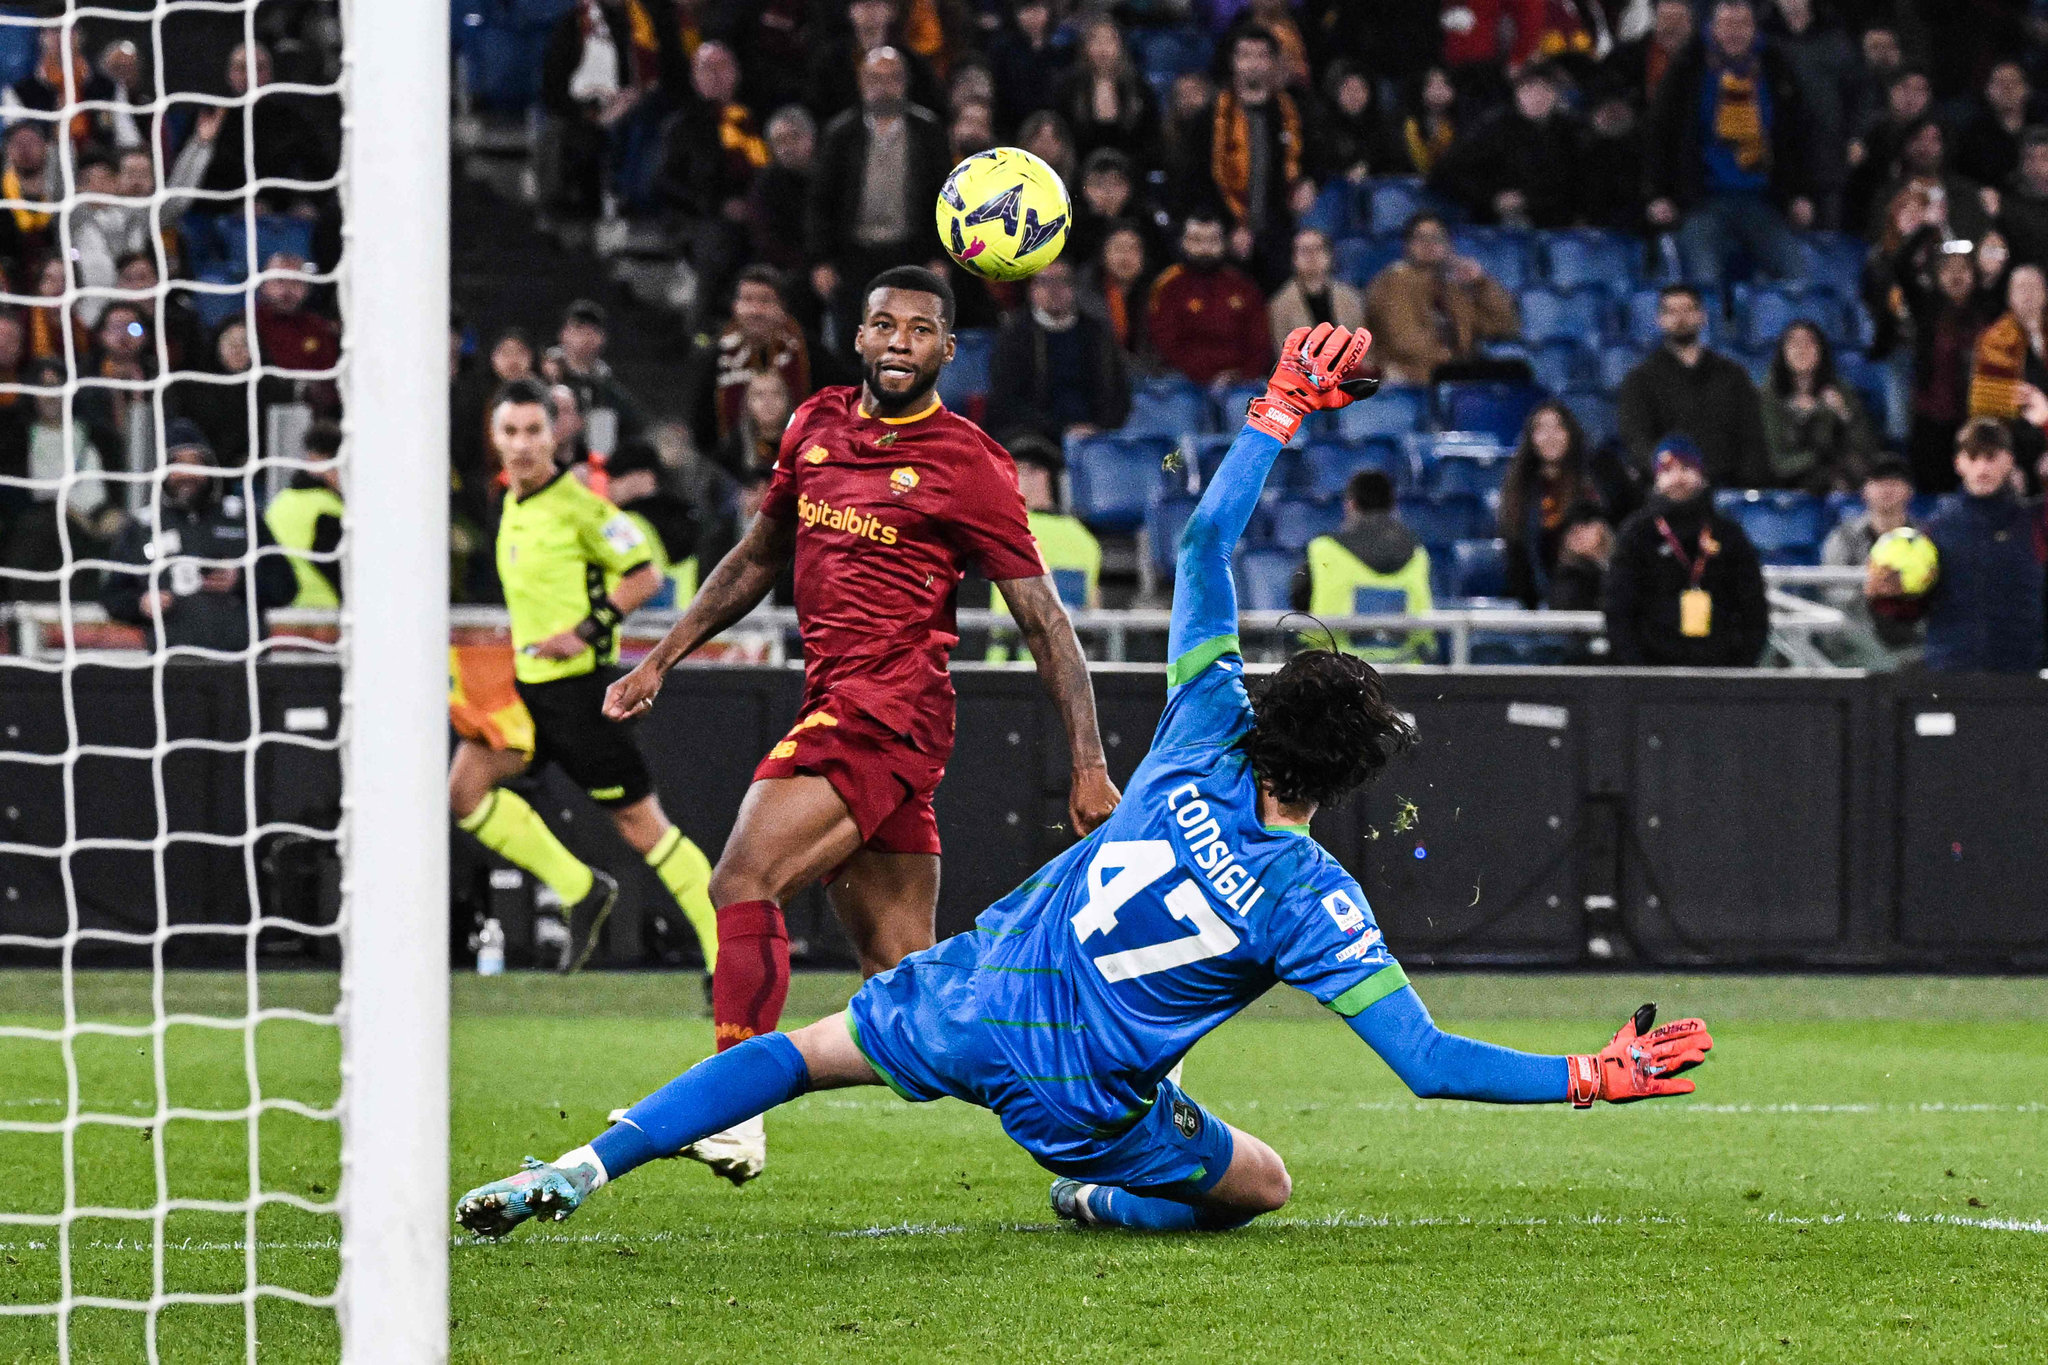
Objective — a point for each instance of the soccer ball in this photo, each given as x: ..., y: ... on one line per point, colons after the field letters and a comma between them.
x: 1912, y: 554
x: 1004, y: 214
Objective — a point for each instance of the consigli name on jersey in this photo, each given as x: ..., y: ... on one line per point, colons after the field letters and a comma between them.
x: 1219, y: 862
x: 849, y: 519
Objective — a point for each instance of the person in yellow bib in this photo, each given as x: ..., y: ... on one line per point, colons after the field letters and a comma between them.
x: 305, y: 518
x: 1371, y: 564
x: 1072, y: 554
x: 573, y: 567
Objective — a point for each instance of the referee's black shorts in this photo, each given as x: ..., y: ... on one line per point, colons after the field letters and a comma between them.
x: 570, y: 731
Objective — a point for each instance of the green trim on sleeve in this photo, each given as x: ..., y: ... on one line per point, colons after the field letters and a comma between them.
x: 1368, y: 992
x: 1189, y: 666
x: 853, y: 1032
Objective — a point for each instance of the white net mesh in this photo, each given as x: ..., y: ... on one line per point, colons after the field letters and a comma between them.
x: 171, y: 706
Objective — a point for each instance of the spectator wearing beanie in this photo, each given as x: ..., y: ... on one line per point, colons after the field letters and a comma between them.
x: 1206, y: 318
x: 1685, y: 588
x: 1685, y: 388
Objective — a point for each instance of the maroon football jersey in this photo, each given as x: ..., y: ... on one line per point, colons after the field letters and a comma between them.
x: 890, y: 512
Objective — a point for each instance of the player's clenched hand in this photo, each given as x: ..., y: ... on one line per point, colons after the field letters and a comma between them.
x: 1093, y: 799
x: 632, y: 694
x: 1315, y: 373
x: 1640, y: 1063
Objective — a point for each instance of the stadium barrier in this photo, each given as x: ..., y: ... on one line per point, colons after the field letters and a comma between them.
x: 1553, y: 816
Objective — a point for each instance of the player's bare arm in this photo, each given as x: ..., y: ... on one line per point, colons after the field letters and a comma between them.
x: 1061, y: 668
x: 745, y: 576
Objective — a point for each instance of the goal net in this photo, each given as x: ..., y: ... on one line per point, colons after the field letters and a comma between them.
x: 223, y: 634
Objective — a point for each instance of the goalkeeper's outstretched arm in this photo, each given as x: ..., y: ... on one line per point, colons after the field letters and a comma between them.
x: 1639, y: 1063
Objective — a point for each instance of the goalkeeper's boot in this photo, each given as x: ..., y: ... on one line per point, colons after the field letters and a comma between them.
x: 538, y: 1191
x: 1070, y: 1201
x: 587, y: 917
x: 739, y: 1153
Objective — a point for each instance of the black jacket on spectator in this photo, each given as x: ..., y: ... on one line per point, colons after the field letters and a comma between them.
x: 1544, y: 161
x: 2023, y: 218
x: 1825, y: 63
x: 836, y: 180
x: 775, y: 208
x: 1674, y: 161
x: 1610, y: 180
x: 1645, y: 580
x: 698, y: 173
x: 1713, y: 402
x: 1047, y: 381
x: 1983, y: 150
x: 213, y: 527
x: 1984, y: 612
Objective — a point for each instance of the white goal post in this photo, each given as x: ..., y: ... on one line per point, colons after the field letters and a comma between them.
x: 394, y: 1206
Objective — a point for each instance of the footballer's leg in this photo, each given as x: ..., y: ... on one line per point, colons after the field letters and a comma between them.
x: 505, y: 823
x: 719, y: 1092
x: 888, y: 904
x: 1255, y: 1182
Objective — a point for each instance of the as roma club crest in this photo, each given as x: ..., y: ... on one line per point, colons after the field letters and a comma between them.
x: 902, y: 479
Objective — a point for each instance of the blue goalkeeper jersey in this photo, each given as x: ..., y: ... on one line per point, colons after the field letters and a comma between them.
x: 1099, y: 973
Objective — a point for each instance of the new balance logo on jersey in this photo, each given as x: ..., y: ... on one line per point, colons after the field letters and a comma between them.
x: 1350, y: 919
x: 851, y: 520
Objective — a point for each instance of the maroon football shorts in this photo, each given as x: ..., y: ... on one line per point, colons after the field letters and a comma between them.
x: 886, y: 781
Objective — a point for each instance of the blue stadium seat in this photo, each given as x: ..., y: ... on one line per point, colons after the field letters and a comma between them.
x: 1210, y: 450
x: 1295, y: 522
x: 1393, y: 411
x: 1784, y: 526
x: 1440, y: 523
x: 1328, y: 467
x: 544, y: 12
x: 1837, y: 508
x: 1497, y: 409
x: 1164, y: 521
x: 1473, y: 475
x: 1589, y: 258
x: 1615, y: 362
x: 1335, y: 211
x: 214, y: 308
x: 1116, y: 478
x: 1264, y: 578
x: 1479, y: 568
x: 1548, y: 315
x: 967, y: 377
x: 1207, y: 452
x: 1834, y: 262
x: 1170, y: 406
x: 1925, y: 505
x: 1560, y: 366
x: 1170, y: 52
x: 274, y: 233
x: 1395, y: 199
x: 1767, y: 312
x: 1356, y: 260
x: 1502, y: 253
x: 501, y: 55
x: 1595, y: 412
x: 1639, y: 325
x: 20, y: 46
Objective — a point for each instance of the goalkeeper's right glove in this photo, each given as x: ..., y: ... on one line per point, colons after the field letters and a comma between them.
x: 1640, y: 1064
x: 1314, y: 374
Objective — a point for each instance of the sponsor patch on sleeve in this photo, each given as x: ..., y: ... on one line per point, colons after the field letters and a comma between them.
x: 622, y: 535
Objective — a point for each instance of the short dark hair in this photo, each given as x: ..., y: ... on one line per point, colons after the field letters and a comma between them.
x: 1889, y: 466
x: 1690, y: 291
x: 524, y: 391
x: 1984, y: 436
x: 323, y: 439
x: 586, y: 311
x: 2035, y: 136
x: 914, y: 279
x: 1255, y: 33
x: 759, y: 273
x: 1322, y: 726
x: 1369, y: 491
x: 1417, y: 220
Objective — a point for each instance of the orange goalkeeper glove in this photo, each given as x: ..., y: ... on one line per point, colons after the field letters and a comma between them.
x: 1638, y: 1063
x: 1314, y: 375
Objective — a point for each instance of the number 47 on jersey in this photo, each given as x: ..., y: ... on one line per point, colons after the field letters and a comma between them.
x: 1137, y: 863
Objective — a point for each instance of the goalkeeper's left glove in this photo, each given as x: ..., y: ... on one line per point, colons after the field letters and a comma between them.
x: 1639, y: 1063
x: 1314, y: 374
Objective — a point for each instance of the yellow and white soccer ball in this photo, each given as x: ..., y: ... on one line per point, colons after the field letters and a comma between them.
x: 1912, y: 555
x: 1004, y: 214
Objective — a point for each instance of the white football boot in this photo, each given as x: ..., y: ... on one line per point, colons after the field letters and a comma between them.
x: 739, y: 1153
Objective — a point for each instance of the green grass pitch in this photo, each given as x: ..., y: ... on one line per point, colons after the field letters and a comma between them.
x: 1863, y: 1175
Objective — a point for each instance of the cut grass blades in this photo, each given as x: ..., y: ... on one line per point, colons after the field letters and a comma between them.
x: 1863, y: 1175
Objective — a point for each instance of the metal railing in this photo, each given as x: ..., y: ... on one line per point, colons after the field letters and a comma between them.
x: 766, y: 634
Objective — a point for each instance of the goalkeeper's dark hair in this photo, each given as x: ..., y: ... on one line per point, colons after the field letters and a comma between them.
x: 1323, y: 727
x: 525, y: 391
x: 916, y: 279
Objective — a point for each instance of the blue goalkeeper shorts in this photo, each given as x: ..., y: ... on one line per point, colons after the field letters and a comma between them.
x: 919, y: 1025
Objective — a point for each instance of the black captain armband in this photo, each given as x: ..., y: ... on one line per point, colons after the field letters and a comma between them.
x: 604, y: 618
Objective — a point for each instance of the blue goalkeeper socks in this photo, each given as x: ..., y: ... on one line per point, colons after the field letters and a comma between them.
x: 710, y: 1097
x: 1119, y: 1208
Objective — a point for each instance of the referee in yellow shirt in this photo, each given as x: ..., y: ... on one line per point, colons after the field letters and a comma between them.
x: 573, y: 567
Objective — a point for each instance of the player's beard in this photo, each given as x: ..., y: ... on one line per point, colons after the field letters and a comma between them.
x: 895, y: 405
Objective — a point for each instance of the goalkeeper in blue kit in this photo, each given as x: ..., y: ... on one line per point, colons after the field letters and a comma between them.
x: 1071, y: 1000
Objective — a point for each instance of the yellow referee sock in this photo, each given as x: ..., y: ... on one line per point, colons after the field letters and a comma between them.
x: 686, y: 872
x: 510, y: 828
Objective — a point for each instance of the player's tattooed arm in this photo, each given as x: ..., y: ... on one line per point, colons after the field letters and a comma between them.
x: 1064, y: 672
x: 745, y: 576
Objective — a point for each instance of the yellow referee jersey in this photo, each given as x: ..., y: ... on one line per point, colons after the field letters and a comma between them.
x: 558, y: 549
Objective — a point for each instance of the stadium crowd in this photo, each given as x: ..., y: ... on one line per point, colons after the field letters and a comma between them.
x: 1798, y: 243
